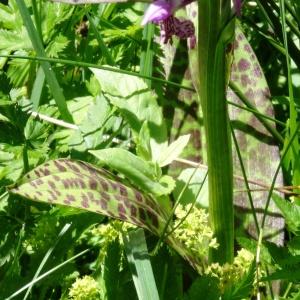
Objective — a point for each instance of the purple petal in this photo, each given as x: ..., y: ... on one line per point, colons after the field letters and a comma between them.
x: 157, y: 11
x: 238, y: 7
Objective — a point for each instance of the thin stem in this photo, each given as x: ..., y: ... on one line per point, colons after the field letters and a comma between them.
x: 165, y: 232
x: 282, y: 189
x: 295, y: 134
x: 90, y: 65
x: 257, y: 113
x: 290, y: 285
x: 252, y: 181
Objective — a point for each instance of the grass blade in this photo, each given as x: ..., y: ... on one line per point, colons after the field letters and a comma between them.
x: 294, y: 156
x: 45, y: 259
x: 139, y: 262
x: 146, y: 62
x: 49, y: 73
x: 46, y: 274
x: 37, y: 88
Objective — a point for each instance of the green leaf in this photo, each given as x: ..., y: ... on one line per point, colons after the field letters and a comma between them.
x: 96, y: 116
x: 287, y: 264
x: 35, y: 129
x: 9, y: 16
x: 57, y: 45
x: 75, y: 2
x: 168, y: 182
x: 79, y: 107
x: 204, y: 285
x: 294, y: 296
x: 191, y: 193
x: 290, y: 211
x: 244, y: 288
x: 290, y: 271
x: 111, y: 269
x: 4, y: 118
x: 143, y: 147
x: 80, y: 185
x: 139, y: 262
x: 136, y: 103
x: 173, y: 150
x: 18, y: 69
x: 8, y: 235
x: 140, y: 172
x: 294, y: 245
x: 11, y: 41
x: 52, y: 15
x: 92, y: 121
x: 251, y: 245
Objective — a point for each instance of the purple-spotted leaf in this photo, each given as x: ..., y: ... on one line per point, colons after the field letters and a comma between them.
x: 80, y: 185
x: 259, y: 152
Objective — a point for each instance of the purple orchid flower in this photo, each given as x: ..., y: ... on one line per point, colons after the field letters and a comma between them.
x: 161, y: 12
x: 158, y: 11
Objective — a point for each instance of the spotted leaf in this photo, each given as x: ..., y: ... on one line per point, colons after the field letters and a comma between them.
x: 80, y: 185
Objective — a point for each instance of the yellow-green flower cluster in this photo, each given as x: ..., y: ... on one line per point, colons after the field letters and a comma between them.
x: 109, y: 233
x: 229, y: 275
x: 194, y: 230
x: 85, y: 288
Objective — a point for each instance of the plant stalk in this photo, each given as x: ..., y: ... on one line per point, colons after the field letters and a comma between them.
x: 215, y: 35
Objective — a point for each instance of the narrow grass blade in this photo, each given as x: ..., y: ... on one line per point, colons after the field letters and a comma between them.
x: 49, y: 73
x: 46, y: 274
x: 140, y: 265
x: 37, y: 88
x: 91, y: 65
x: 293, y: 154
x: 104, y: 50
x: 146, y: 61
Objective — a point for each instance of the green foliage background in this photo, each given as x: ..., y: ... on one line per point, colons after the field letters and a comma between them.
x: 77, y: 65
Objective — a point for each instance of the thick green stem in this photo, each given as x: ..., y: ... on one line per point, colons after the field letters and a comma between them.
x: 215, y: 32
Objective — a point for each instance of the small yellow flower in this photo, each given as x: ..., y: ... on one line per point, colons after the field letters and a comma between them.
x: 85, y: 288
x: 228, y: 274
x: 109, y: 233
x: 194, y: 231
